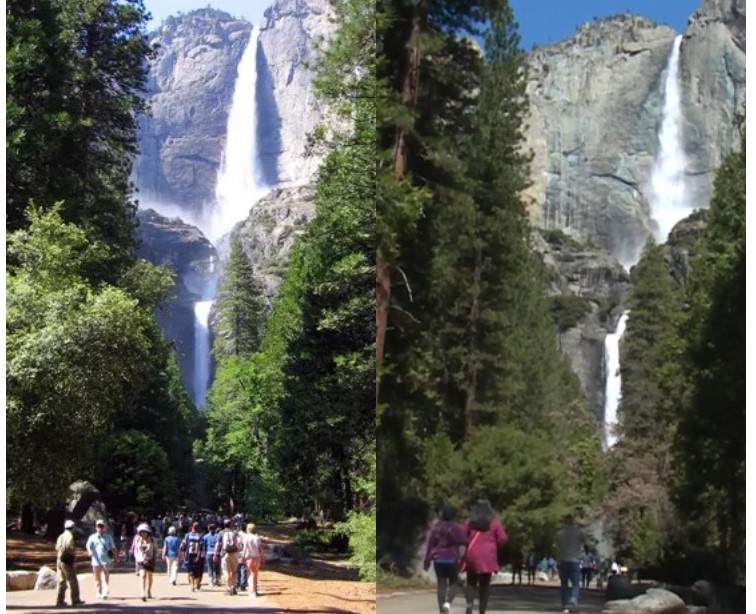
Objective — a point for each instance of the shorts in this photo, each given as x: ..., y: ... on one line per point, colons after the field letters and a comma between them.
x: 146, y: 565
x: 230, y: 563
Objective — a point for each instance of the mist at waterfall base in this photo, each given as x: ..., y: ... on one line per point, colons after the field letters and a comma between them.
x: 669, y: 204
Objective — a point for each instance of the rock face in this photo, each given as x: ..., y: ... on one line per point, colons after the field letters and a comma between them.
x: 682, y: 245
x: 186, y: 251
x: 595, y: 111
x: 190, y: 89
x: 713, y: 78
x: 268, y: 234
x: 594, y: 275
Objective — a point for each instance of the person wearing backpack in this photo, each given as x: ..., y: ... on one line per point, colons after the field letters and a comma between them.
x: 194, y: 551
x: 485, y: 535
x: 445, y: 541
x: 227, y: 551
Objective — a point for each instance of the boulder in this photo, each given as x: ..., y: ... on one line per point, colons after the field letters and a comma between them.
x: 619, y: 588
x: 82, y: 496
x: 47, y: 579
x: 20, y: 580
x: 653, y: 601
x: 542, y: 576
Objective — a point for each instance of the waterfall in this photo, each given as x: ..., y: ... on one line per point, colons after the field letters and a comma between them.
x: 238, y: 187
x: 613, y: 389
x: 240, y: 180
x: 669, y: 204
x: 668, y: 198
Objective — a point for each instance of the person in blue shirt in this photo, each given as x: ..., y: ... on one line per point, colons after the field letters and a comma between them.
x: 171, y: 554
x: 194, y: 550
x: 213, y: 566
x: 101, y: 547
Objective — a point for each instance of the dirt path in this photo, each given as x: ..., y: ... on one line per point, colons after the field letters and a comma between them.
x: 324, y: 585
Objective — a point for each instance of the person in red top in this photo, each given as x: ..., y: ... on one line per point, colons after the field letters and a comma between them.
x: 445, y: 540
x: 485, y: 535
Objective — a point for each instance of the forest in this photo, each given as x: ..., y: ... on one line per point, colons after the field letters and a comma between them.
x: 473, y: 398
x: 94, y: 391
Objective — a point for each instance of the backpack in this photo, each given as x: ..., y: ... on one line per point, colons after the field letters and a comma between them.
x: 232, y: 545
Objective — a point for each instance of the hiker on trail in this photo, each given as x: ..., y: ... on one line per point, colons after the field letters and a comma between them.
x: 227, y: 551
x: 102, y: 549
x: 213, y: 565
x: 252, y: 555
x: 65, y: 548
x: 145, y: 552
x: 531, y: 565
x: 127, y: 536
x: 194, y: 551
x: 171, y: 554
x: 446, y: 542
x: 485, y: 535
x: 570, y: 542
x: 517, y: 565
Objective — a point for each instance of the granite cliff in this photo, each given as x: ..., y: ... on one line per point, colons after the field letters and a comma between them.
x: 595, y: 111
x: 190, y: 87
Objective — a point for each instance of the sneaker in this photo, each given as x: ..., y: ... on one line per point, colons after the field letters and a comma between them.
x: 446, y: 608
x: 61, y: 605
x: 76, y: 604
x: 144, y: 598
x: 174, y: 583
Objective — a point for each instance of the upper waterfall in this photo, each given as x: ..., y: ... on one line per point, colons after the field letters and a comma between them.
x: 668, y: 199
x: 240, y: 179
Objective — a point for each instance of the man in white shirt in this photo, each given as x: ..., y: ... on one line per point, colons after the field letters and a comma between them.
x: 570, y: 544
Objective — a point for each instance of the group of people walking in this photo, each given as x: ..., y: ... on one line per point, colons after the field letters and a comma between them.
x: 472, y: 547
x: 224, y: 551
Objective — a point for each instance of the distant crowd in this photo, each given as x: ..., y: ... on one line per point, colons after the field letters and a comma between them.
x: 228, y: 549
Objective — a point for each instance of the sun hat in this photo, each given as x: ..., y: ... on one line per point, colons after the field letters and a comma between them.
x: 69, y: 524
x: 100, y: 523
x: 144, y: 527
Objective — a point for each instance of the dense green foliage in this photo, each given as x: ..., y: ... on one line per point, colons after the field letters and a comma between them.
x: 93, y: 389
x: 295, y: 416
x: 678, y: 485
x: 474, y: 398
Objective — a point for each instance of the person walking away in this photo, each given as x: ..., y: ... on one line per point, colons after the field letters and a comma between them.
x: 531, y: 568
x: 227, y: 551
x: 446, y: 540
x: 241, y: 570
x: 65, y: 548
x: 102, y: 550
x: 517, y: 567
x: 552, y: 570
x: 145, y: 552
x: 193, y: 548
x: 171, y: 554
x: 485, y: 535
x: 213, y: 565
x: 252, y: 554
x: 570, y: 542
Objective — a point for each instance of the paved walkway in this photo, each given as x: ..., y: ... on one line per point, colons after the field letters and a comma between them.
x: 125, y: 594
x: 504, y: 600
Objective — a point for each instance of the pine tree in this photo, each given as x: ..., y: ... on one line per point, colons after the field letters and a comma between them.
x: 241, y: 306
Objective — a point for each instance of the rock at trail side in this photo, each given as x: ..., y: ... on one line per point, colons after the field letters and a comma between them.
x: 46, y: 579
x: 85, y: 502
x: 653, y: 601
x: 20, y: 580
x: 619, y: 587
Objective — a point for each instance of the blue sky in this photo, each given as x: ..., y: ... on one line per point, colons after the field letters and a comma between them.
x: 541, y: 21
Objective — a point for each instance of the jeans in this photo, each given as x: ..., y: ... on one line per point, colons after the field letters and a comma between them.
x: 446, y: 582
x: 241, y: 577
x: 569, y: 571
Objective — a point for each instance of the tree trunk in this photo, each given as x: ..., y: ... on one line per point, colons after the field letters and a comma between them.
x: 27, y: 519
x: 55, y: 519
x: 472, y: 366
x: 410, y: 85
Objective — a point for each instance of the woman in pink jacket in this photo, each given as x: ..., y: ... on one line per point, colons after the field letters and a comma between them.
x: 445, y: 541
x: 485, y: 536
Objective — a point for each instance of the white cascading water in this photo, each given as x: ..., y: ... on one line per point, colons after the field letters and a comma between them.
x: 238, y: 187
x: 240, y: 179
x: 669, y: 205
x: 613, y: 391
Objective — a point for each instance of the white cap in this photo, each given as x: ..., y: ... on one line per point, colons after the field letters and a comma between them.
x: 69, y: 524
x: 172, y: 531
